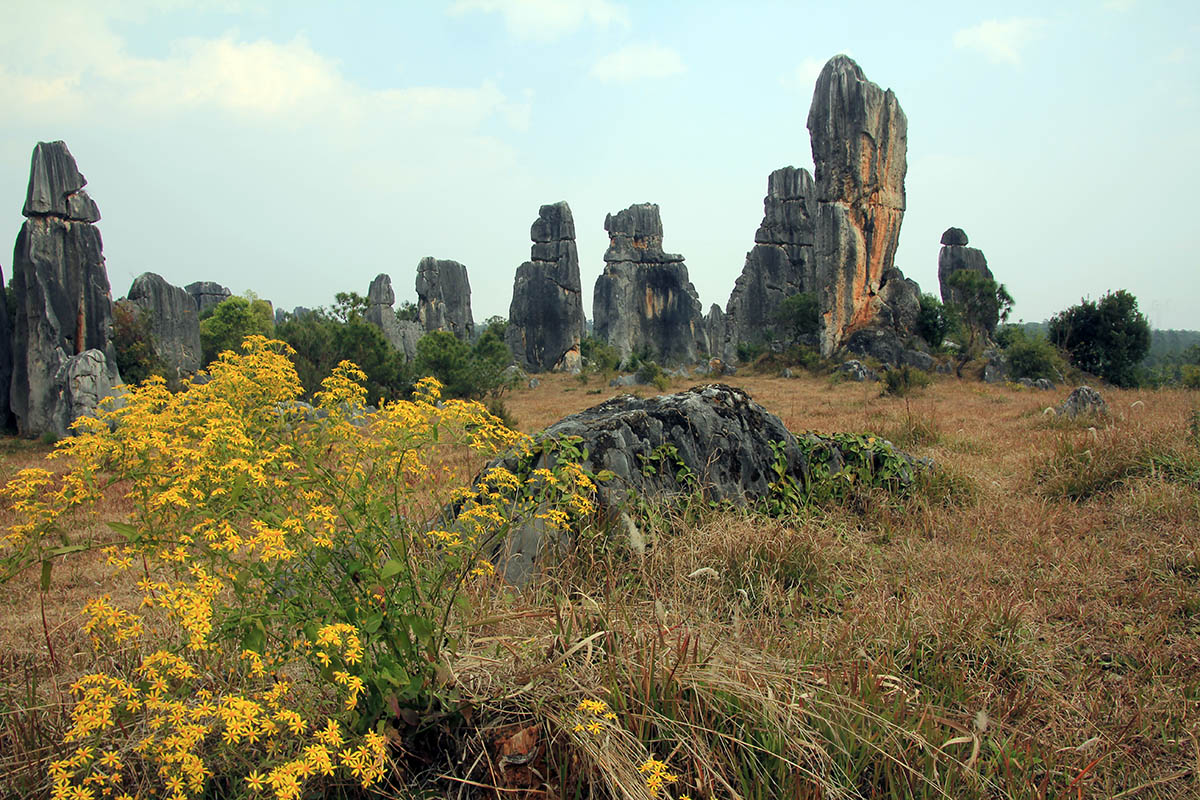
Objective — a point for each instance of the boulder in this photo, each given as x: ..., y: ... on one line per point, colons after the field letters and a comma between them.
x: 174, y: 321
x: 780, y: 264
x: 644, y: 302
x: 545, y: 318
x: 915, y: 358
x: 400, y: 334
x: 444, y: 298
x: 713, y: 439
x: 1083, y: 400
x: 856, y: 371
x: 84, y: 380
x: 954, y: 236
x: 61, y: 294
x: 995, y: 368
x: 859, y: 143
x: 207, y: 294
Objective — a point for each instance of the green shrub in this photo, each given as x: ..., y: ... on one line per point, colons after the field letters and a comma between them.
x: 1030, y: 356
x: 799, y: 316
x: 231, y: 322
x: 1109, y: 338
x: 599, y: 356
x: 134, y: 344
x: 933, y: 321
x: 650, y: 372
x: 903, y: 380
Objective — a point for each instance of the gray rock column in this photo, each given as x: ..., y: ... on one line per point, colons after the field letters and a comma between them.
x: 444, y: 297
x: 174, y: 321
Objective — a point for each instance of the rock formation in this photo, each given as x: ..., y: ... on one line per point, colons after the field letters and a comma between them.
x: 444, y: 297
x: 643, y: 301
x: 207, y: 294
x: 955, y: 256
x: 1083, y: 400
x: 400, y: 334
x: 859, y: 145
x: 63, y: 355
x: 781, y: 263
x: 720, y: 442
x: 545, y: 319
x: 7, y: 421
x: 174, y: 321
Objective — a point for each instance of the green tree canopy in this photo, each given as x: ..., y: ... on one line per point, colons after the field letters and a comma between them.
x: 1108, y: 338
x: 980, y: 303
x: 798, y: 316
x: 231, y: 322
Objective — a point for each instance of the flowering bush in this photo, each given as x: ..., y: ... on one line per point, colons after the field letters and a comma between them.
x: 292, y: 597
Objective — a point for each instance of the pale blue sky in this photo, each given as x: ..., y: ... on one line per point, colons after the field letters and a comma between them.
x: 299, y: 149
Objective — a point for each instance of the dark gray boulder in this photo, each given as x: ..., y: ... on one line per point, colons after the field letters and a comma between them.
x: 859, y: 143
x: 955, y: 236
x: 444, y: 297
x: 207, y: 294
x: 781, y: 263
x: 62, y: 298
x: 712, y: 439
x: 915, y: 358
x: 1083, y: 400
x: 174, y: 321
x: 856, y: 371
x: 403, y: 335
x: 545, y: 317
x: 644, y: 301
x: 995, y: 367
x: 84, y: 380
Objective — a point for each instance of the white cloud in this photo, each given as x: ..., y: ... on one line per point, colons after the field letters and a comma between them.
x: 1000, y: 40
x: 637, y: 61
x: 546, y: 20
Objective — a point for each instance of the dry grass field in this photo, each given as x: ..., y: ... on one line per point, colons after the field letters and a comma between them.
x: 1025, y: 625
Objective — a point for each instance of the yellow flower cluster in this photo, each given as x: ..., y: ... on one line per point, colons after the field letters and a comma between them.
x: 595, y: 714
x: 247, y: 508
x: 657, y: 776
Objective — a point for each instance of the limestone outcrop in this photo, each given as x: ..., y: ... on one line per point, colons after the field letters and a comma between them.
x: 712, y: 438
x: 545, y: 318
x: 444, y: 297
x: 859, y: 144
x: 955, y: 256
x: 7, y: 421
x: 400, y: 334
x: 781, y: 263
x: 643, y: 301
x: 62, y: 298
x: 207, y: 294
x: 174, y: 321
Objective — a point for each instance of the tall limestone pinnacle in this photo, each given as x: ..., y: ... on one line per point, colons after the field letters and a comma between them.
x: 545, y: 319
x: 859, y: 138
x: 63, y: 357
x: 643, y: 301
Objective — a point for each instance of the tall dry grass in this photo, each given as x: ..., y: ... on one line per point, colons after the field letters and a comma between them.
x: 1027, y: 625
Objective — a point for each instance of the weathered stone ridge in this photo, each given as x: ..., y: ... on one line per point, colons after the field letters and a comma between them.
x: 207, y: 294
x: 400, y: 334
x: 859, y: 143
x: 62, y: 298
x: 444, y: 297
x: 7, y: 421
x: 781, y: 263
x: 174, y: 321
x: 643, y: 301
x: 545, y: 318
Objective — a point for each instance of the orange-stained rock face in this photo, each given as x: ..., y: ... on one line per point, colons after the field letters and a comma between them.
x: 859, y: 142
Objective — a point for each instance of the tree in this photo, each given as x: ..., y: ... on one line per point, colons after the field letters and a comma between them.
x: 980, y: 303
x: 799, y: 316
x: 231, y: 322
x: 133, y: 341
x: 933, y: 321
x: 1109, y: 338
x: 324, y: 338
x: 465, y: 371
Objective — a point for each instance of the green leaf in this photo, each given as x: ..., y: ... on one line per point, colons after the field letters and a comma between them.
x: 391, y: 569
x: 71, y: 548
x: 372, y: 623
x: 47, y: 565
x: 125, y: 529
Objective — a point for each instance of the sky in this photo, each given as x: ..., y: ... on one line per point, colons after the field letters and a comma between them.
x: 298, y: 149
